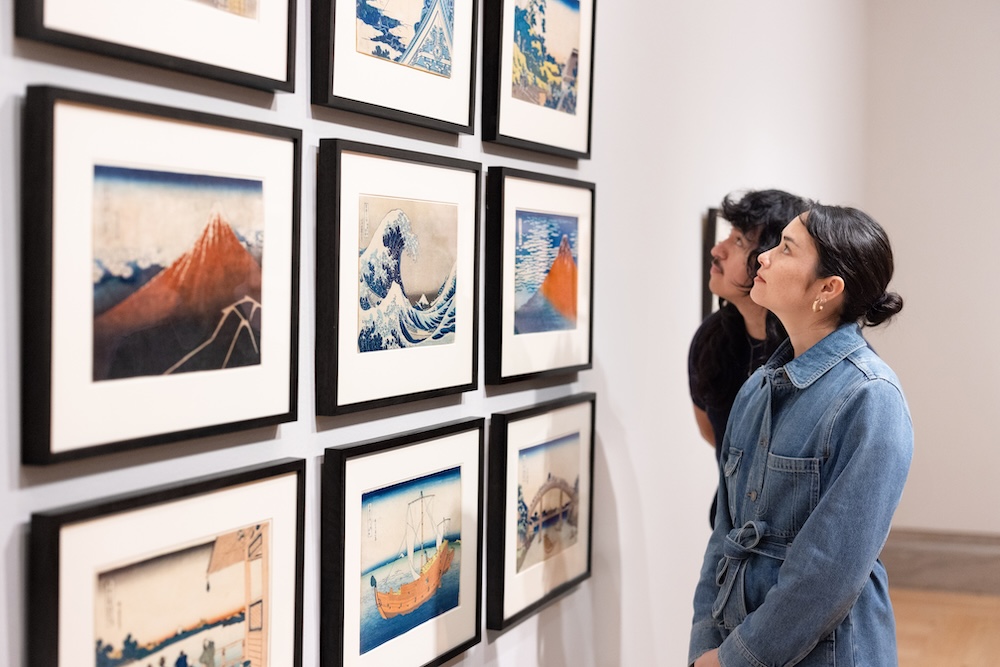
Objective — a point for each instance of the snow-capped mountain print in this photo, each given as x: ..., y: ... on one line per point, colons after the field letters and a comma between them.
x: 176, y: 287
x: 410, y: 254
x: 545, y: 272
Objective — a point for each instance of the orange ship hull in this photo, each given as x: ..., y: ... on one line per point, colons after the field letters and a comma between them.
x: 413, y: 594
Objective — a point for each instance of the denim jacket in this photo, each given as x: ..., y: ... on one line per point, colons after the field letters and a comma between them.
x: 814, y: 459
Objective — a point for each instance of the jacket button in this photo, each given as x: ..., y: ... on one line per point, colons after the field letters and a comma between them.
x: 752, y: 495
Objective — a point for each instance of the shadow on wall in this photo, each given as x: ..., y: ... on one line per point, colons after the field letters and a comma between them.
x: 585, y: 627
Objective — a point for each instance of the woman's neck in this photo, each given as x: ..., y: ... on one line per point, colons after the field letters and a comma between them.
x: 754, y: 318
x: 808, y: 334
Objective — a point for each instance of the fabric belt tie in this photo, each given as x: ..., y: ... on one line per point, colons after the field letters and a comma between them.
x: 739, y: 544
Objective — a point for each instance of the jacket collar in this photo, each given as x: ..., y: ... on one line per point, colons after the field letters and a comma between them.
x: 808, y: 367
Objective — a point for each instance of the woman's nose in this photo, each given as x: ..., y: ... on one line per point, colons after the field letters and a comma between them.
x: 764, y: 258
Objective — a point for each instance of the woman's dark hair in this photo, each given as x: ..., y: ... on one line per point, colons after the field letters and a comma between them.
x: 760, y: 215
x: 856, y: 248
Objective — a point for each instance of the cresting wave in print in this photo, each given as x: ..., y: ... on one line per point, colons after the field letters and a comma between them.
x: 407, y: 273
x: 177, y: 272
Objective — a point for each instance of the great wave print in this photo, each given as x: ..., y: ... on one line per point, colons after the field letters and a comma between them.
x: 406, y: 273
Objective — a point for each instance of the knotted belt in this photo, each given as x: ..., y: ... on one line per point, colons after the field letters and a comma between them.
x: 739, y: 544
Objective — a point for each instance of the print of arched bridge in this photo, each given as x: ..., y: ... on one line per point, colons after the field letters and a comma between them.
x: 567, y: 509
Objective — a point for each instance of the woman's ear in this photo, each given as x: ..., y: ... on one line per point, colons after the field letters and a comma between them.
x: 831, y: 287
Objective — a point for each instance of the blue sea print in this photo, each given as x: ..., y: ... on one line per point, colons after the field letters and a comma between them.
x: 546, y: 53
x: 548, y: 499
x: 414, y: 33
x: 545, y: 272
x: 205, y: 605
x: 407, y: 268
x: 411, y: 551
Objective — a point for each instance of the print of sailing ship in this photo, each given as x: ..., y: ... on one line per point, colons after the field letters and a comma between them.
x: 206, y: 604
x: 202, y: 312
x: 388, y: 318
x: 545, y: 273
x: 414, y: 33
x: 420, y: 579
x: 426, y: 577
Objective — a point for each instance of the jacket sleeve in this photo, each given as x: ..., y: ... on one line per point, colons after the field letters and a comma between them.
x: 831, y: 558
x: 705, y: 631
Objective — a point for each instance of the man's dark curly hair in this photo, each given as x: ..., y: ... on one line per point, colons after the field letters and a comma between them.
x: 760, y: 215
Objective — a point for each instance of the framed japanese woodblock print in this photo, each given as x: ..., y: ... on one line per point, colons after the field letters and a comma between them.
x: 246, y: 42
x: 397, y: 276
x: 408, y: 60
x: 538, y: 58
x: 539, y: 275
x: 206, y: 572
x: 715, y: 228
x: 541, y: 499
x: 401, y: 579
x: 160, y: 285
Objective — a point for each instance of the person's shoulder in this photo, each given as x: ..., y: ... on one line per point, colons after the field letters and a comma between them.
x: 872, y: 366
x: 717, y: 320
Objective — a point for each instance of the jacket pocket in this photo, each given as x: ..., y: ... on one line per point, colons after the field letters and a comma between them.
x: 790, y: 494
x: 729, y: 471
x: 824, y: 655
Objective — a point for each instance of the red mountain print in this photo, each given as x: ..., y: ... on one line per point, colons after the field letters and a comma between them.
x: 559, y: 286
x: 181, y: 300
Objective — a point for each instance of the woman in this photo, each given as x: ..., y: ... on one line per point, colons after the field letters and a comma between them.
x: 734, y: 340
x: 813, y: 464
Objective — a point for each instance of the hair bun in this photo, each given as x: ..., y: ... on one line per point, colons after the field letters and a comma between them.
x: 885, y: 306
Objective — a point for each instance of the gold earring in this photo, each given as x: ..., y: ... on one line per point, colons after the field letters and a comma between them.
x: 818, y: 304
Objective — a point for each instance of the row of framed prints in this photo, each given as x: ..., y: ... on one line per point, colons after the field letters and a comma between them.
x: 150, y: 314
x: 410, y: 60
x: 212, y: 569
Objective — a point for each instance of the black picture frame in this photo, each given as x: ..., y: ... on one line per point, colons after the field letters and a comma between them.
x: 73, y: 404
x: 714, y: 228
x: 344, y: 77
x: 531, y: 448
x: 527, y: 340
x: 359, y: 364
x: 521, y: 113
x: 369, y: 490
x: 173, y: 35
x: 256, y: 512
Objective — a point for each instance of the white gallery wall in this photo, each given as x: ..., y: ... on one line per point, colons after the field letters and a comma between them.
x: 933, y: 173
x: 692, y: 100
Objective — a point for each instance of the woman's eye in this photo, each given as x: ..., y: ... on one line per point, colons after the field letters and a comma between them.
x: 785, y: 249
